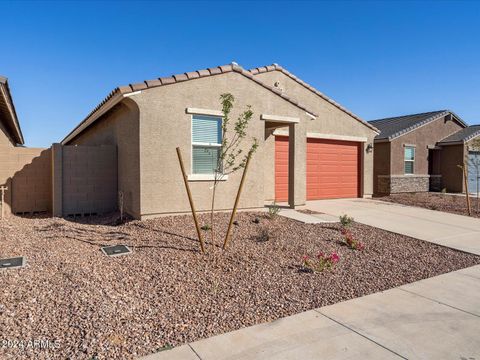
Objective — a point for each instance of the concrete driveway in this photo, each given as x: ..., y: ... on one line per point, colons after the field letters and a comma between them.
x: 455, y: 231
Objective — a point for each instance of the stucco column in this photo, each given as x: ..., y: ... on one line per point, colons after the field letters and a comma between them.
x: 57, y: 180
x: 297, y: 144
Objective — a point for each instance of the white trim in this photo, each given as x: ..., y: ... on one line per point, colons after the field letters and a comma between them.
x: 312, y: 135
x: 197, y: 111
x: 192, y: 144
x: 336, y: 137
x: 206, y: 177
x: 311, y: 116
x: 206, y: 144
x: 278, y: 118
x: 132, y: 94
x: 280, y: 132
x: 405, y: 146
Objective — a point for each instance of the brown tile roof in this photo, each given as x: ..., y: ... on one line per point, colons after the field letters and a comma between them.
x: 276, y: 67
x: 8, y: 114
x: 394, y: 127
x: 148, y: 84
x: 462, y: 136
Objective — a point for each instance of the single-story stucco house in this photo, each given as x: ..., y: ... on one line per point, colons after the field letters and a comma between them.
x: 310, y: 146
x: 421, y: 152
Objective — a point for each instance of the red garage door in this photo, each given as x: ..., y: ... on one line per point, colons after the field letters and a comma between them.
x: 332, y: 169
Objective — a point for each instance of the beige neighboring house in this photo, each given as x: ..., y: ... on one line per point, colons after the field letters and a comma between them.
x: 310, y: 146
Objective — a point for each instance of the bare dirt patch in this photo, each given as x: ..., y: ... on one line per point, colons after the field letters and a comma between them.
x: 166, y: 292
x: 435, y: 201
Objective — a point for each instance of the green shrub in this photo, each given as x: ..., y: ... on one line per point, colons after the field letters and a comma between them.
x: 273, y: 210
x: 346, y: 220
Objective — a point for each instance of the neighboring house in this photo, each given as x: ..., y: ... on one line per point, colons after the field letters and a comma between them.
x: 421, y: 152
x: 24, y: 171
x: 328, y: 152
x: 10, y: 132
x: 464, y: 144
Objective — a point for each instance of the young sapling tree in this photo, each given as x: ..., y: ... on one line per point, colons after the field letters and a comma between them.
x: 231, y: 155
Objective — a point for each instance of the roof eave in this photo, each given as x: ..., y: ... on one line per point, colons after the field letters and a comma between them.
x: 447, y: 143
x: 5, y: 89
x: 124, y: 91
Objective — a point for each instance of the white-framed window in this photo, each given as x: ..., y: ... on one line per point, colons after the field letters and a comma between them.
x: 409, y: 160
x: 206, y: 143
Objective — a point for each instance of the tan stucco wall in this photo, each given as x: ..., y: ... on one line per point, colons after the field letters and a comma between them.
x: 331, y: 120
x: 120, y: 127
x: 27, y: 174
x: 164, y: 125
x: 421, y: 137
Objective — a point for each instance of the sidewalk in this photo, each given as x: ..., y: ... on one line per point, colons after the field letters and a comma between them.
x: 436, y: 318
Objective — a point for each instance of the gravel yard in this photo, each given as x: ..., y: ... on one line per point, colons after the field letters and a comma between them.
x: 435, y: 201
x: 167, y: 293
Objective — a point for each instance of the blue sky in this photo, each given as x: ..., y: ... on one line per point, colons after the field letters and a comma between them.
x: 378, y: 59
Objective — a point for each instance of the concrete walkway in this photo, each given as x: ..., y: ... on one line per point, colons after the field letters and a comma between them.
x: 436, y: 318
x: 308, y: 218
x: 455, y: 231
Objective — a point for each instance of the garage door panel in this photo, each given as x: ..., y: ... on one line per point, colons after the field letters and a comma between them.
x: 332, y: 169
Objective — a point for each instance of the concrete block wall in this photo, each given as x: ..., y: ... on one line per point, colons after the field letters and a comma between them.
x: 27, y: 174
x: 85, y: 180
x: 62, y: 180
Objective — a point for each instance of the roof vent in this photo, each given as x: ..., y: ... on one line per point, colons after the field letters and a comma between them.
x: 278, y: 86
x: 116, y: 250
x: 12, y: 263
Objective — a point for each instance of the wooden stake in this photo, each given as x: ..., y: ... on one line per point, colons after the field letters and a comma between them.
x: 3, y: 189
x: 237, y: 199
x: 192, y: 206
x: 466, y: 188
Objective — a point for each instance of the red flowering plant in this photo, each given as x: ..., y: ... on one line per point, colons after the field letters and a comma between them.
x: 346, y: 223
x: 350, y: 240
x: 320, y: 262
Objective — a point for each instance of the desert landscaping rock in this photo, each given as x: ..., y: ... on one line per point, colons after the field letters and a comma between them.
x: 167, y: 292
x: 454, y: 204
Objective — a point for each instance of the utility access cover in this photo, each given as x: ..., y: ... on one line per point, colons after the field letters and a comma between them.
x: 116, y: 250
x: 12, y: 263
